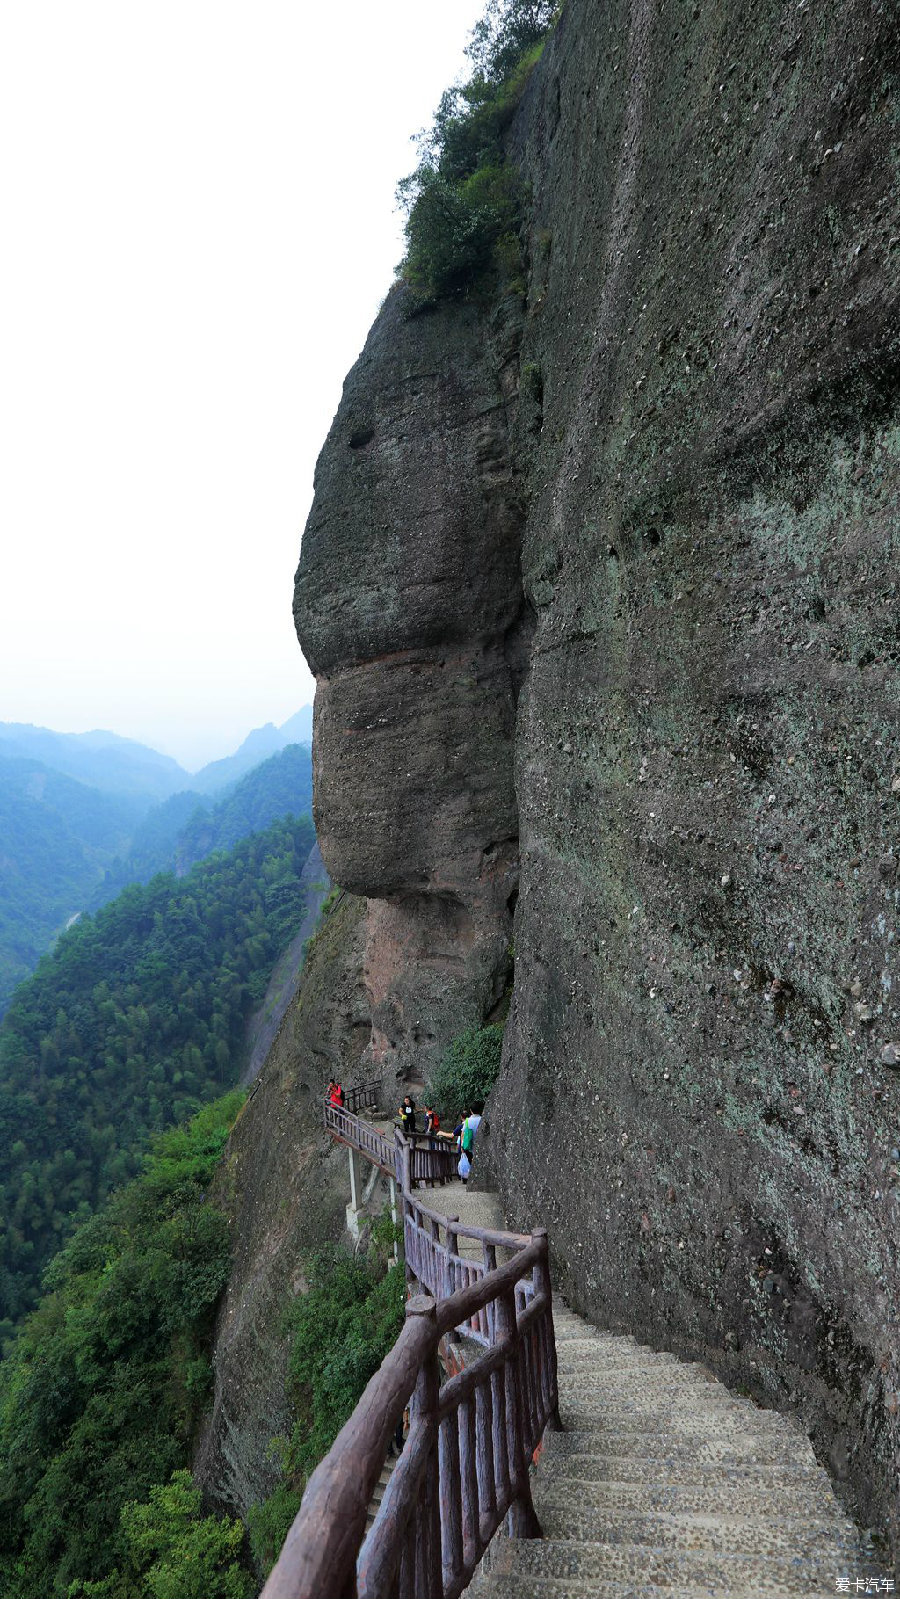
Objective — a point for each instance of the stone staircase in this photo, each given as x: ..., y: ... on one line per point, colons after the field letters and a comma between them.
x: 665, y: 1483
x: 380, y: 1489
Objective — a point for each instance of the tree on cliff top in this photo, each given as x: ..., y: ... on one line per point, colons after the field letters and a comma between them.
x: 507, y: 30
x: 462, y: 199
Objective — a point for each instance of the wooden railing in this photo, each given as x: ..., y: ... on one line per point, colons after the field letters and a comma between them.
x: 362, y: 1096
x: 434, y: 1259
x: 349, y: 1129
x: 465, y: 1462
x: 427, y: 1160
x: 431, y: 1160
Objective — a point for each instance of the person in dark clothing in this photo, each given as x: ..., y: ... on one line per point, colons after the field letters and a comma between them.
x: 408, y: 1115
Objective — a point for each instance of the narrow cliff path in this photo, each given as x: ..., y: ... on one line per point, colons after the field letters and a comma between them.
x: 663, y: 1481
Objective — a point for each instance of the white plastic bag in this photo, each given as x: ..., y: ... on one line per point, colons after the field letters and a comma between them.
x: 465, y: 1165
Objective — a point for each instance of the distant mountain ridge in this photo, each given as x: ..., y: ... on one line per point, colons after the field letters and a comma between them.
x: 57, y: 835
x: 103, y: 760
x: 84, y: 814
x: 257, y: 746
x: 188, y: 827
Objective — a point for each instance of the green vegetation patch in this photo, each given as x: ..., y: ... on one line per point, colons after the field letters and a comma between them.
x: 173, y: 1551
x: 467, y: 1072
x: 463, y: 201
x: 137, y: 1017
x: 340, y: 1331
x: 102, y: 1393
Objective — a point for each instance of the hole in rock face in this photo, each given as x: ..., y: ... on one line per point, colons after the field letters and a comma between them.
x: 360, y: 437
x: 653, y: 536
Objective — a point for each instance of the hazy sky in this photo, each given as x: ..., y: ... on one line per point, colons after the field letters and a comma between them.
x: 198, y: 226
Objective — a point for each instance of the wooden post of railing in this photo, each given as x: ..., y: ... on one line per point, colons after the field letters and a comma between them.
x: 423, y: 1415
x: 489, y: 1258
x: 451, y: 1248
x: 522, y: 1521
x: 549, y: 1376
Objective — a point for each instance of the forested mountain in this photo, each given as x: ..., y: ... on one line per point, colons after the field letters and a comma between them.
x: 56, y: 837
x: 154, y: 846
x: 282, y: 785
x: 103, y: 760
x: 68, y: 845
x: 189, y: 826
x: 100, y: 1399
x: 257, y: 746
x: 137, y: 1015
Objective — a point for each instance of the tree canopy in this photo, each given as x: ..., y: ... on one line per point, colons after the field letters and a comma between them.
x: 137, y: 1016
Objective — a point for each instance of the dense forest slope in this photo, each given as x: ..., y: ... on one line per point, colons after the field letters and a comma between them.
x: 101, y: 1397
x: 57, y: 836
x: 660, y: 476
x: 140, y: 1013
x: 188, y: 826
x: 67, y: 846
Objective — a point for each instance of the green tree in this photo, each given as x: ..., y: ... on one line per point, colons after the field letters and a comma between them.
x: 139, y: 1015
x: 177, y: 1551
x: 468, y: 1071
x: 463, y: 200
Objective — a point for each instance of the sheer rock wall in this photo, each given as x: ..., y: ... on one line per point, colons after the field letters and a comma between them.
x: 409, y: 606
x: 688, y: 459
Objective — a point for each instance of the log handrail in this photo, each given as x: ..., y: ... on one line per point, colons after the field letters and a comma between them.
x: 348, y: 1129
x: 426, y: 1163
x: 362, y: 1095
x: 464, y: 1466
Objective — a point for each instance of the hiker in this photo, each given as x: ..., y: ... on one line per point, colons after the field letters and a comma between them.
x: 466, y: 1140
x: 432, y: 1122
x: 336, y: 1094
x: 408, y: 1115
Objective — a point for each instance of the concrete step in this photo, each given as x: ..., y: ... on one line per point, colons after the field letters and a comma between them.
x: 773, y: 1569
x: 759, y: 1499
x: 670, y: 1446
x: 378, y: 1492
x: 497, y: 1586
x: 799, y: 1536
x: 587, y: 1414
x: 620, y: 1390
x: 577, y: 1352
x: 584, y: 1467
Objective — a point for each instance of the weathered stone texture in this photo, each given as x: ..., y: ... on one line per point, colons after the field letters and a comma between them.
x: 707, y: 447
x: 286, y: 1185
x: 410, y: 608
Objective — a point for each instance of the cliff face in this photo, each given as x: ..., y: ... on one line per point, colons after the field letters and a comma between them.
x: 686, y: 456
x: 409, y: 604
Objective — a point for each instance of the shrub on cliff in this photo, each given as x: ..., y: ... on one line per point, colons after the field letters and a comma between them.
x: 467, y: 1072
x: 462, y: 200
